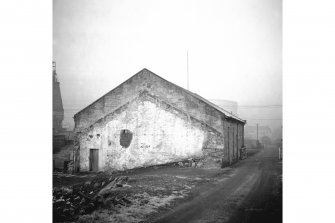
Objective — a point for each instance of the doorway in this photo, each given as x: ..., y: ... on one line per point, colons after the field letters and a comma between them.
x: 230, y: 147
x: 94, y: 160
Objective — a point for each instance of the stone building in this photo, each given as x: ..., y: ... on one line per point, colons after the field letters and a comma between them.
x: 148, y: 120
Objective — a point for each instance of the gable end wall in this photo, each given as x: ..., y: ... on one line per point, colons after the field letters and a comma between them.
x: 164, y: 90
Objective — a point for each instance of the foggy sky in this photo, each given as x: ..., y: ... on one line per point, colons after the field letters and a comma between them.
x: 235, y: 48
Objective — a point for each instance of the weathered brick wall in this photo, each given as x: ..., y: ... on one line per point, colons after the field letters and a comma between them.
x: 234, y: 140
x: 213, y: 150
x: 161, y: 134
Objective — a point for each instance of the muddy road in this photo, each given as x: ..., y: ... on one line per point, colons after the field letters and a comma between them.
x: 251, y: 192
x: 248, y: 191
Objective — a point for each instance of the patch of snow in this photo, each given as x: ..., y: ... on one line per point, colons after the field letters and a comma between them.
x: 141, y: 205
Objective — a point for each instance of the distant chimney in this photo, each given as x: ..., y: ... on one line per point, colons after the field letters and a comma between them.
x: 54, y: 66
x: 57, y: 103
x: 54, y: 72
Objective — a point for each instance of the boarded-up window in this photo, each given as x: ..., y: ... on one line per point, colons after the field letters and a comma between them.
x: 125, y: 137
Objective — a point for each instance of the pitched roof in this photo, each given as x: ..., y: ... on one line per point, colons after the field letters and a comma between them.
x: 221, y: 110
x: 226, y: 113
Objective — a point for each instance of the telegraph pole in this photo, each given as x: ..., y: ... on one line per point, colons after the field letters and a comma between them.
x: 257, y: 142
x: 281, y: 145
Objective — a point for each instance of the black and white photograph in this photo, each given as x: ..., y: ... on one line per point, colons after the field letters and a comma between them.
x: 167, y: 111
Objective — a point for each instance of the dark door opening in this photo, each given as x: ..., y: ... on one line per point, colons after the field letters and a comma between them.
x: 237, y: 143
x: 94, y: 160
x: 229, y: 154
x: 233, y: 138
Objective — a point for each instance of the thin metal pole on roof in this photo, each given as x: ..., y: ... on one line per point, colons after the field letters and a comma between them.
x: 188, y: 87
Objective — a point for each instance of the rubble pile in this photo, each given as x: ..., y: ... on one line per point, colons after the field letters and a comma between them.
x: 84, y: 198
x: 194, y: 163
x: 243, y: 152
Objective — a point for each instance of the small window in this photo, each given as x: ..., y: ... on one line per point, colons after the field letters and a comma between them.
x: 125, y: 138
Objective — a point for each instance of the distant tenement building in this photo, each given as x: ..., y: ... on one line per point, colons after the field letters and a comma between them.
x: 148, y: 120
x: 251, y: 132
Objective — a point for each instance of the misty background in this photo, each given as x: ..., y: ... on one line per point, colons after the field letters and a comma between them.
x: 234, y: 50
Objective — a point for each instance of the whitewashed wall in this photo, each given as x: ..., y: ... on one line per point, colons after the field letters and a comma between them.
x: 160, y: 135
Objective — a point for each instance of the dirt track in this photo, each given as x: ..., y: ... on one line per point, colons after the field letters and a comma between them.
x: 248, y: 191
x: 251, y: 192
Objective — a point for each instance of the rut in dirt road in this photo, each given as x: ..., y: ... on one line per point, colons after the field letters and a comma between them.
x: 252, y: 193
